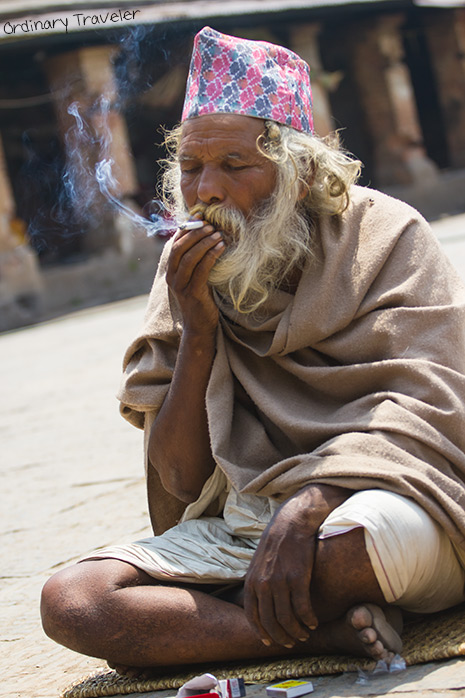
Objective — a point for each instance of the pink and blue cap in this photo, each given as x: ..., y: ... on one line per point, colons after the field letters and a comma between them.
x: 229, y: 75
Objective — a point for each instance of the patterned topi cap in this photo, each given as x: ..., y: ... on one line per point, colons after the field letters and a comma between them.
x: 229, y: 75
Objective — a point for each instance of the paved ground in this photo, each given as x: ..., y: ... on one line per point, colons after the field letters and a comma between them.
x: 71, y: 480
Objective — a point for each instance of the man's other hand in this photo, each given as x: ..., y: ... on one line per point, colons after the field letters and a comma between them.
x: 277, y: 599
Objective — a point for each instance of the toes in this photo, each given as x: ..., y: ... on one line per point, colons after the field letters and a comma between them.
x: 368, y: 636
x: 360, y: 617
x: 379, y: 639
x: 377, y: 650
x: 372, y: 645
x: 386, y: 633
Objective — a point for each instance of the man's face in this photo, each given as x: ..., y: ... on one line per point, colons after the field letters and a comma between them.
x: 220, y: 163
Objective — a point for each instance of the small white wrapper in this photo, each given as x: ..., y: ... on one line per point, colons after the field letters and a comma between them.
x: 199, y: 684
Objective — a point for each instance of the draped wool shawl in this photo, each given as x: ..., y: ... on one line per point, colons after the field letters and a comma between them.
x: 356, y: 380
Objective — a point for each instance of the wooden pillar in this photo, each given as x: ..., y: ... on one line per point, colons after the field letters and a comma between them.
x: 20, y: 279
x: 445, y: 33
x: 304, y: 41
x: 460, y: 29
x: 385, y: 89
x: 83, y: 83
x: 7, y: 205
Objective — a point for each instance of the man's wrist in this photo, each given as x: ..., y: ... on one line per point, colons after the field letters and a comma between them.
x: 199, y: 342
x: 314, y: 502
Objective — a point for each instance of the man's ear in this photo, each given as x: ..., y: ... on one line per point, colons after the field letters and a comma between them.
x: 303, y: 190
x: 304, y: 187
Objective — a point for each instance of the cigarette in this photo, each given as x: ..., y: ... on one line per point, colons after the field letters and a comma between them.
x: 191, y: 225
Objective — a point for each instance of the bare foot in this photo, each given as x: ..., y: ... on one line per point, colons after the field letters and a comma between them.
x: 365, y: 631
x: 376, y: 631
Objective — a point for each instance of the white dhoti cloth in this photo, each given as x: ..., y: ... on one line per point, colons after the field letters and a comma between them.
x: 208, y: 549
x: 415, y: 563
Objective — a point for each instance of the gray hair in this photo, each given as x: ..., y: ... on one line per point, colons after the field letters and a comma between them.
x: 319, y: 170
x: 319, y: 167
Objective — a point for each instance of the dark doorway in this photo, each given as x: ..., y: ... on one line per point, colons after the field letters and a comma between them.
x: 346, y: 108
x: 430, y: 114
x: 35, y: 160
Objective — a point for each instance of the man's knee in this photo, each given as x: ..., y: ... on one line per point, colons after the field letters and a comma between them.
x: 64, y: 604
x: 75, y: 599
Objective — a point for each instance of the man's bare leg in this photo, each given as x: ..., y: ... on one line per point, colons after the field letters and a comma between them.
x: 354, y: 597
x: 112, y: 610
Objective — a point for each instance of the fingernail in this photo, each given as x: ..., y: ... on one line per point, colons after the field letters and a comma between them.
x: 303, y: 639
x: 289, y: 647
x: 266, y: 642
x: 312, y: 627
x: 217, y: 236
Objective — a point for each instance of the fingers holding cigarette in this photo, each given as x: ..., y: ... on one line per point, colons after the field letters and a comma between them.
x: 198, y: 232
x: 195, y: 232
x: 194, y: 225
x: 197, y: 246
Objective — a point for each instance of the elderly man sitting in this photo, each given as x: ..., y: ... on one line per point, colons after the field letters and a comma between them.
x: 300, y: 380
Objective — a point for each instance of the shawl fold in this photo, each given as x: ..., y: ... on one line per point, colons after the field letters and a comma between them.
x: 356, y: 380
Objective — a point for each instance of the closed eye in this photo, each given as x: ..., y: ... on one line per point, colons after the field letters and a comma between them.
x: 235, y: 162
x: 189, y: 168
x: 235, y: 168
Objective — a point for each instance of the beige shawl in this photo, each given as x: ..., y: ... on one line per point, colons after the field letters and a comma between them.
x: 356, y: 380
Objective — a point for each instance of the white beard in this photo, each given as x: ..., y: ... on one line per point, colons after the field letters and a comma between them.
x: 261, y: 250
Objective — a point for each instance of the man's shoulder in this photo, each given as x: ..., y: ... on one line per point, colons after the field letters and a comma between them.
x: 380, y: 204
x: 370, y: 228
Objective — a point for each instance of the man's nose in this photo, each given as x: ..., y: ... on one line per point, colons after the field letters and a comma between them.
x: 210, y: 188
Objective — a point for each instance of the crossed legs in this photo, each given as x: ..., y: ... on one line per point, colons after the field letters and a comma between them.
x: 112, y: 610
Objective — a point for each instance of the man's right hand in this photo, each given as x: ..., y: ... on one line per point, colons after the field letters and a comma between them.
x: 179, y: 444
x: 193, y: 255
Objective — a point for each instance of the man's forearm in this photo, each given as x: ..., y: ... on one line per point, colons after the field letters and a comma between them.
x: 179, y: 445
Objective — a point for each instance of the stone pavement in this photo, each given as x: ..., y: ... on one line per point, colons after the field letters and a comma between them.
x: 71, y: 479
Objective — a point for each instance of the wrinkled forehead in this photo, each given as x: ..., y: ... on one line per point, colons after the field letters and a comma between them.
x: 221, y: 132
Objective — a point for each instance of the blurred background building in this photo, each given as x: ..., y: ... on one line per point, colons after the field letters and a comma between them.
x: 88, y: 84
